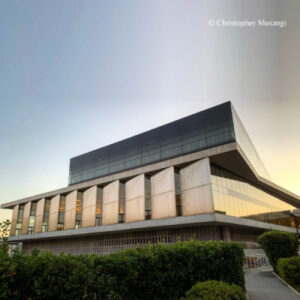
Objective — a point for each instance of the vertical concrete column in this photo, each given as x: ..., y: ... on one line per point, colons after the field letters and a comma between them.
x: 135, y: 199
x: 53, y: 213
x: 196, y: 189
x: 39, y: 214
x: 226, y: 233
x: 14, y: 218
x: 163, y: 198
x: 70, y: 210
x: 90, y: 197
x: 26, y: 217
x: 110, y: 207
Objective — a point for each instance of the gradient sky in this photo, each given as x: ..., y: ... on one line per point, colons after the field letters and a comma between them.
x: 78, y: 75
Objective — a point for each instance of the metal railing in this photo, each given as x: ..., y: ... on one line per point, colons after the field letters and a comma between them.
x: 256, y: 261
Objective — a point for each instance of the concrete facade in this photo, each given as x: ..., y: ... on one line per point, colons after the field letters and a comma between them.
x: 70, y: 209
x: 90, y: 197
x: 110, y: 207
x: 196, y: 190
x: 26, y: 217
x: 135, y: 190
x: 14, y: 220
x: 53, y: 213
x: 39, y: 214
x: 163, y: 194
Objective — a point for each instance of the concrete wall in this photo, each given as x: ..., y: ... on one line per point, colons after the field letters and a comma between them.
x: 196, y: 190
x: 39, y: 214
x: 163, y: 194
x: 53, y: 213
x: 14, y: 220
x: 89, y: 206
x: 26, y: 216
x: 110, y: 207
x: 135, y: 199
x: 70, y: 210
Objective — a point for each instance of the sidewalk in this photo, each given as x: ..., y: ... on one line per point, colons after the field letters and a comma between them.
x: 264, y: 285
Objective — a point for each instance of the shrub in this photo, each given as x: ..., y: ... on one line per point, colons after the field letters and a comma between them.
x: 289, y: 269
x: 213, y: 289
x: 278, y: 244
x: 154, y: 272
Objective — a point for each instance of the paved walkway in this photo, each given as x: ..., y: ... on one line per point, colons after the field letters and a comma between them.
x: 264, y: 285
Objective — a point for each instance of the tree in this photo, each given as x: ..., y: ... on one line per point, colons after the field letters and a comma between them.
x: 4, y: 231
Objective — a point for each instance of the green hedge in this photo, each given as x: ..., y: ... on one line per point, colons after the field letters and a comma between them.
x: 289, y: 269
x: 278, y: 244
x: 153, y: 272
x: 215, y: 290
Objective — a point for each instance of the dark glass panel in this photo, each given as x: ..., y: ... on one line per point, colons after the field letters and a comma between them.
x: 202, y: 130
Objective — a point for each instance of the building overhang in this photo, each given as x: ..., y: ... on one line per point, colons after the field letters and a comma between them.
x: 237, y: 162
x: 175, y: 222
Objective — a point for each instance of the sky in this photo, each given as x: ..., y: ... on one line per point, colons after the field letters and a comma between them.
x: 79, y: 75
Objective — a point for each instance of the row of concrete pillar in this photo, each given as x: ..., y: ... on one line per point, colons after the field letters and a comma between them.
x: 196, y: 198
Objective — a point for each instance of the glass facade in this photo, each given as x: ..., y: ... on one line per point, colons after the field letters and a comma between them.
x: 236, y: 197
x: 32, y: 218
x: 247, y: 146
x: 202, y: 130
x: 20, y: 219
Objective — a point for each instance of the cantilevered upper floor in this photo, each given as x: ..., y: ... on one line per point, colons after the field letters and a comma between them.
x: 206, y: 129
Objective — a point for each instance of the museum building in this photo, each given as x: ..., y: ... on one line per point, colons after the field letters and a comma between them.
x: 199, y: 177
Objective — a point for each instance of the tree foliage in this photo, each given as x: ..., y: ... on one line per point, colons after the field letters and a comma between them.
x: 278, y: 244
x: 153, y: 272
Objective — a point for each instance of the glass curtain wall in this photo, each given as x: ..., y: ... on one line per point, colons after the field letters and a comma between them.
x: 247, y: 146
x: 20, y: 219
x: 202, y: 130
x: 234, y: 196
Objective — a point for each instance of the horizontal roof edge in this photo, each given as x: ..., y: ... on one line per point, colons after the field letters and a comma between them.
x: 133, y: 172
x: 269, y: 185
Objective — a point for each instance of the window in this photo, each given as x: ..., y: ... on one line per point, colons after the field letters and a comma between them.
x: 147, y: 198
x: 178, y: 193
x: 122, y: 203
x: 99, y: 207
x: 46, y: 215
x: 78, y: 220
x: 20, y: 219
x: 61, y: 213
x: 32, y: 218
